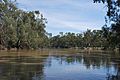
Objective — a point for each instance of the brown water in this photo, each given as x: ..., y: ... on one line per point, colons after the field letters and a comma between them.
x: 58, y: 65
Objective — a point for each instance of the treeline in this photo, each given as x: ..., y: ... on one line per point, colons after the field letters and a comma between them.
x: 106, y: 38
x: 26, y: 30
x: 21, y: 29
x: 89, y: 38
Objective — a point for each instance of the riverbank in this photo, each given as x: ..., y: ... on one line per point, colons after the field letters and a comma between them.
x: 65, y: 50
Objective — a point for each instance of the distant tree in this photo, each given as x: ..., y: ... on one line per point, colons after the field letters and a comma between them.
x: 88, y: 38
x: 61, y: 33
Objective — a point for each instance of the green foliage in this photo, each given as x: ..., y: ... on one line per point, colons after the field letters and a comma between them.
x: 71, y: 40
x: 26, y: 30
x: 112, y: 32
x: 21, y: 29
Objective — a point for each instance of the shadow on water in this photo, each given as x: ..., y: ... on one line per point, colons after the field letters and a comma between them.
x: 52, y: 66
x: 22, y: 68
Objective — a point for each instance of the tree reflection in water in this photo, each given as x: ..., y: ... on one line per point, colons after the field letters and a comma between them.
x: 19, y: 69
x: 16, y: 69
x: 116, y: 76
x: 93, y: 61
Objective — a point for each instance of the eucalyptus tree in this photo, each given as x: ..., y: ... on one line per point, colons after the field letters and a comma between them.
x: 113, y: 16
x: 7, y: 23
x: 21, y: 29
x: 71, y: 39
x: 79, y: 40
x: 55, y: 41
x: 97, y: 38
x: 31, y: 32
x: 88, y: 38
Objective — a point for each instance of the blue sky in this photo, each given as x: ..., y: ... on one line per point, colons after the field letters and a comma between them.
x: 67, y: 15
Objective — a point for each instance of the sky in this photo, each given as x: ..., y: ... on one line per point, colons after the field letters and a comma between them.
x: 67, y: 15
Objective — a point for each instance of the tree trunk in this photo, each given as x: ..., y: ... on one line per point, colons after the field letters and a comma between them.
x: 18, y: 45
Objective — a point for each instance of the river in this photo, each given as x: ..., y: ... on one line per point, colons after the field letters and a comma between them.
x: 59, y: 65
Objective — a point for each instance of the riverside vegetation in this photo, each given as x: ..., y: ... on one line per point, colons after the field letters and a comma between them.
x: 26, y: 30
x: 21, y: 29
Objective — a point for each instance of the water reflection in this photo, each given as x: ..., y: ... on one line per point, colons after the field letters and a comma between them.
x: 100, y: 67
x: 59, y: 67
x: 16, y: 70
x: 20, y: 72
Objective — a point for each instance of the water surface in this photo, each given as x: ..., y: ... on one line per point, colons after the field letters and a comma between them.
x: 58, y: 65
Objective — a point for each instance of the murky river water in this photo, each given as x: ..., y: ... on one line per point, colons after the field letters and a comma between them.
x: 58, y: 65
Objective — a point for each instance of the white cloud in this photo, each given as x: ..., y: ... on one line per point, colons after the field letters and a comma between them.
x: 73, y: 25
x: 73, y: 15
